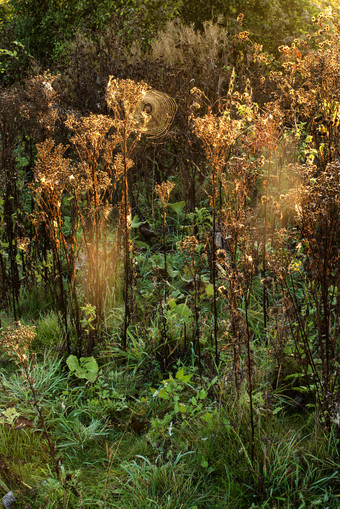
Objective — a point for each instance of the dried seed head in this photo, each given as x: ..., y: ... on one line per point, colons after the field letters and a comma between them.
x: 163, y: 191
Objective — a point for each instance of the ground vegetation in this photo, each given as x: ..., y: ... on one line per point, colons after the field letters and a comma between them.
x: 169, y: 258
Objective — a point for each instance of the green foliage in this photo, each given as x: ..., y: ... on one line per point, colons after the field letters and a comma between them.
x: 47, y: 28
x: 181, y: 406
x: 85, y: 367
x: 270, y: 22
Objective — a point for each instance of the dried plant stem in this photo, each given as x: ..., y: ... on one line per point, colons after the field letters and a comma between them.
x: 213, y: 267
x: 250, y: 378
x: 264, y: 269
x: 196, y: 315
x: 51, y: 447
x: 126, y: 244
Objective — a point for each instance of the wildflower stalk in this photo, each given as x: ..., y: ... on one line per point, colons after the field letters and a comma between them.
x: 250, y: 376
x: 191, y: 246
x: 163, y: 191
x: 126, y: 242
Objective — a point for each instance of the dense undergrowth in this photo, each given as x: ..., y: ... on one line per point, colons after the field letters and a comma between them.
x: 170, y: 295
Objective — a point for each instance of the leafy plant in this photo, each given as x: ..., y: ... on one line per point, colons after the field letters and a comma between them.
x: 85, y: 367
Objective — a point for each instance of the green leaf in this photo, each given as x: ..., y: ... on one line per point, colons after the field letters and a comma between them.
x: 177, y: 207
x: 202, y: 394
x: 172, y: 272
x: 180, y: 310
x: 89, y: 364
x: 180, y: 374
x: 207, y: 417
x: 172, y: 303
x: 135, y: 223
x: 9, y: 416
x: 182, y: 408
x: 73, y: 363
x: 86, y: 367
x: 141, y: 244
x: 182, y: 377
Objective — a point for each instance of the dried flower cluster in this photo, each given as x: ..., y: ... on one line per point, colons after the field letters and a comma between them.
x: 163, y: 190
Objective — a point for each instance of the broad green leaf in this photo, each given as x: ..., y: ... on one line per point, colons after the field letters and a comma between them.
x: 72, y: 363
x: 177, y: 207
x: 141, y: 244
x: 181, y: 310
x: 180, y: 374
x: 86, y: 367
x: 182, y: 377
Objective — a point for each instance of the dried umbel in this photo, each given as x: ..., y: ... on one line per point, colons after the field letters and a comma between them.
x: 121, y: 165
x: 318, y: 216
x: 95, y: 140
x: 39, y: 106
x: 92, y: 135
x: 52, y: 170
x: 52, y: 176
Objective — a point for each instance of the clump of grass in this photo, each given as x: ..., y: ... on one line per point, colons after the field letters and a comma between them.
x: 156, y: 484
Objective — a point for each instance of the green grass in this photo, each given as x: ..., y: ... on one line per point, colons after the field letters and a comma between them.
x: 121, y: 447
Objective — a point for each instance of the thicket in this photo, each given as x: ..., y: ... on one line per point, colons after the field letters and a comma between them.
x: 184, y: 278
x: 44, y: 30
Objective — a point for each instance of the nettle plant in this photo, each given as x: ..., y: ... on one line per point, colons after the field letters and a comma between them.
x: 234, y: 139
x: 218, y: 133
x: 186, y: 400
